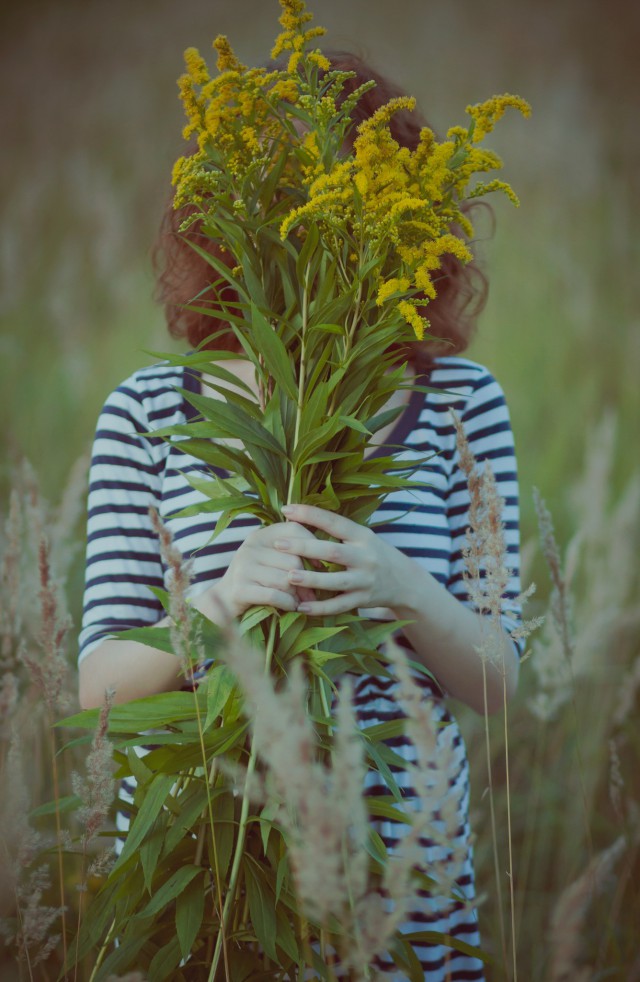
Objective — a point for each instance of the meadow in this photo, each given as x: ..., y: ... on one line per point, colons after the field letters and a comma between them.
x: 91, y: 128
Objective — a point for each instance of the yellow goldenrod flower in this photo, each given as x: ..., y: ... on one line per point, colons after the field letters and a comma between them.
x: 227, y: 59
x: 410, y: 313
x: 495, y: 185
x: 486, y: 114
x: 361, y: 182
x: 196, y: 66
x: 294, y: 60
x: 286, y: 89
x: 293, y: 37
x: 317, y: 58
x: 399, y: 284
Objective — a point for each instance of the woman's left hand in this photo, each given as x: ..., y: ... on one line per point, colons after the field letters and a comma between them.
x: 371, y: 575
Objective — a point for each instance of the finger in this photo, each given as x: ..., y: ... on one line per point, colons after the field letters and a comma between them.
x: 304, y: 595
x: 343, y: 581
x: 272, y: 577
x: 275, y: 559
x: 262, y: 596
x: 339, y: 604
x: 317, y: 550
x: 335, y: 525
x: 267, y: 533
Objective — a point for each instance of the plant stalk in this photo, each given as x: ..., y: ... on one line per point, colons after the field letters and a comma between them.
x: 242, y: 827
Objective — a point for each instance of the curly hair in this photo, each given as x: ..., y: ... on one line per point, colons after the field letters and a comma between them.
x: 182, y: 274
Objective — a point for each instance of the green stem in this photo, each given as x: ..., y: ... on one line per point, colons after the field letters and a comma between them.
x: 348, y: 343
x: 208, y: 779
x: 302, y: 377
x: 242, y: 827
x: 103, y: 950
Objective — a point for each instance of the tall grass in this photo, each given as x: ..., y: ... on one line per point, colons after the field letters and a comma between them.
x: 91, y: 132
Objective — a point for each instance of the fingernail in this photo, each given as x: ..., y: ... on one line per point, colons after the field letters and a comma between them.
x: 286, y: 509
x: 296, y: 576
x: 282, y: 544
x: 304, y: 608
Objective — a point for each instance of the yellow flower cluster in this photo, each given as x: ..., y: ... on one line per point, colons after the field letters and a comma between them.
x: 387, y: 194
x: 485, y: 115
x: 295, y: 39
x: 232, y: 116
x: 381, y: 199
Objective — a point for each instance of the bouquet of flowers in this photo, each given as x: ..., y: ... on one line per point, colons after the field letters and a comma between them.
x: 324, y: 241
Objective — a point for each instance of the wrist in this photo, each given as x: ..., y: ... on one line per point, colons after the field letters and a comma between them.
x: 216, y: 604
x: 401, y: 572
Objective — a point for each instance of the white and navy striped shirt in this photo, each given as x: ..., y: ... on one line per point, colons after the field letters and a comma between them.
x: 131, y: 471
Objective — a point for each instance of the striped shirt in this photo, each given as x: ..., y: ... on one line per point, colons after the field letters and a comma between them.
x: 132, y: 470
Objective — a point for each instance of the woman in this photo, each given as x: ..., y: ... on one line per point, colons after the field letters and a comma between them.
x: 410, y: 566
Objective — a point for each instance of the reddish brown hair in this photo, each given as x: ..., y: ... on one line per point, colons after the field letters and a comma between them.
x: 182, y: 275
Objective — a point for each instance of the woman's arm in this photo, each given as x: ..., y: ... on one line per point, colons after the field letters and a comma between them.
x: 257, y: 574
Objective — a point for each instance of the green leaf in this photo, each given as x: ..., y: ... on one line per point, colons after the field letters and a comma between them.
x: 354, y: 424
x: 261, y: 906
x: 218, y: 265
x: 192, y: 804
x: 276, y: 358
x: 232, y: 422
x: 124, y: 956
x: 376, y: 754
x: 436, y: 937
x: 313, y: 636
x: 285, y: 937
x: 406, y: 959
x: 283, y: 869
x: 189, y: 914
x: 220, y: 683
x: 381, y: 808
x: 165, y: 961
x: 150, y: 850
x: 384, y: 731
x: 138, y: 768
x: 68, y: 802
x: 254, y: 616
x: 148, y: 713
x: 152, y: 803
x: 169, y: 890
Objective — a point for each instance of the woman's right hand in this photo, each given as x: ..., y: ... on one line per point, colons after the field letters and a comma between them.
x: 258, y: 574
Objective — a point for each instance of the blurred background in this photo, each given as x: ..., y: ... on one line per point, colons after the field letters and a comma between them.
x: 91, y: 125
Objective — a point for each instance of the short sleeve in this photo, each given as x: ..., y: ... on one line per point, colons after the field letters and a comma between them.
x: 487, y: 426
x: 123, y: 557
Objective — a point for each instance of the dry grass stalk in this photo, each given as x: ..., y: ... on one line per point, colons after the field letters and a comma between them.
x: 487, y: 576
x: 97, y: 789
x: 607, y: 540
x: 50, y: 671
x: 486, y: 571
x: 178, y: 585
x: 616, y: 781
x: 322, y: 810
x: 566, y: 935
x: 627, y: 693
x: 434, y: 816
x: 10, y: 620
x: 22, y: 884
x: 324, y: 816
